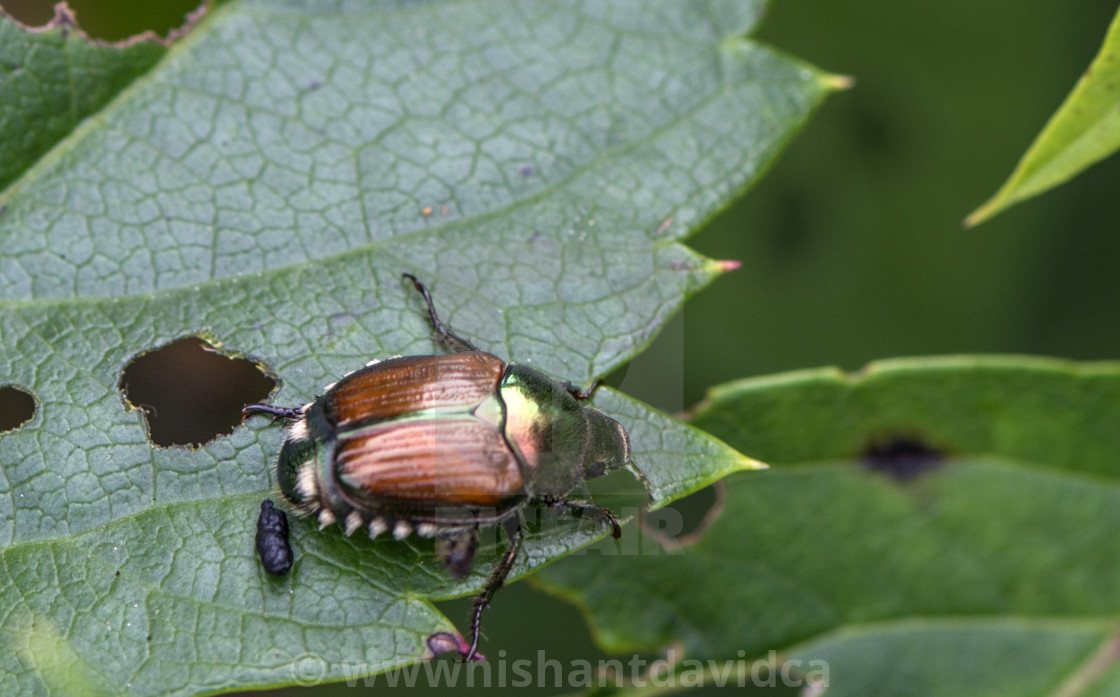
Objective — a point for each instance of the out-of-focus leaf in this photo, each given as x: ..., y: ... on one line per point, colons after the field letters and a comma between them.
x: 1084, y: 130
x: 937, y: 526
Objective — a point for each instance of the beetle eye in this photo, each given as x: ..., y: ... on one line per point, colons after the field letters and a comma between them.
x: 596, y: 469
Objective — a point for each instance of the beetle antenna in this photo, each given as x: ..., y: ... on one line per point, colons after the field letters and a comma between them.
x: 443, y: 335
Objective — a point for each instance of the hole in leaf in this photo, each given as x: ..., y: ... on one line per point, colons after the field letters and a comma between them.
x: 902, y: 458
x: 30, y: 13
x: 110, y: 21
x: 189, y: 392
x: 684, y: 522
x: 17, y: 407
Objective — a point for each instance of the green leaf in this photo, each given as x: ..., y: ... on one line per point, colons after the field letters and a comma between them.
x: 935, y: 526
x: 1084, y: 130
x: 265, y: 184
x: 52, y: 78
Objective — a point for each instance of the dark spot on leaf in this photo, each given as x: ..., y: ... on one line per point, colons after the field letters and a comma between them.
x: 189, y: 392
x: 902, y: 458
x: 17, y: 407
x: 526, y: 171
x: 337, y: 322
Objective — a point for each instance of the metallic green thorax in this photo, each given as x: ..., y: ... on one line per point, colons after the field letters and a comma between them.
x: 559, y: 443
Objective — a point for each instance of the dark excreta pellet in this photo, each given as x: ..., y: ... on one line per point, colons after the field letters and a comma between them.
x: 272, y: 540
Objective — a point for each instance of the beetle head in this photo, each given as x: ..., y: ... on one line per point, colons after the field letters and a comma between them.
x: 608, y: 445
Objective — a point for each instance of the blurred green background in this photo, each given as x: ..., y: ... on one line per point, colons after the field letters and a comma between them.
x: 852, y: 246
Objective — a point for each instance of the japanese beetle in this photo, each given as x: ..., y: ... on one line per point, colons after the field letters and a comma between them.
x: 441, y: 445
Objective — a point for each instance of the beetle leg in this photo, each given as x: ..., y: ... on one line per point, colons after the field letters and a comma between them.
x: 458, y: 551
x: 289, y: 413
x: 602, y: 514
x: 641, y: 477
x: 443, y: 335
x: 582, y: 395
x: 495, y: 582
